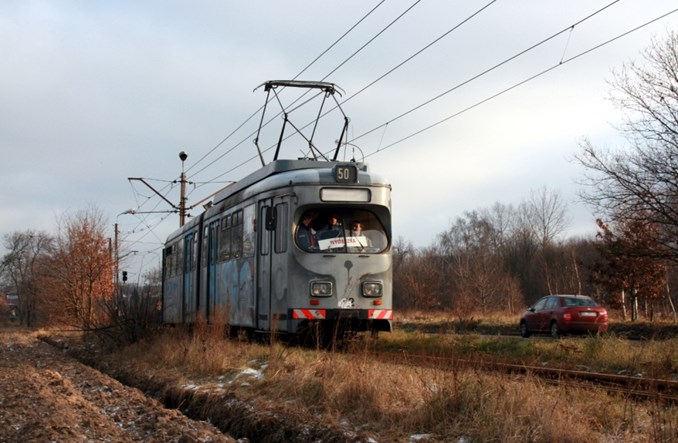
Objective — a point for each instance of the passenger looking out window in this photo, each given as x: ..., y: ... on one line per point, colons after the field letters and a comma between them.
x: 306, y: 235
x: 348, y: 229
x: 358, y: 241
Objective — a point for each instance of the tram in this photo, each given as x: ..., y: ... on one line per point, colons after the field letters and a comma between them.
x: 299, y: 248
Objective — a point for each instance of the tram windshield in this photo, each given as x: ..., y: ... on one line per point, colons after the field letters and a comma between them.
x: 347, y: 230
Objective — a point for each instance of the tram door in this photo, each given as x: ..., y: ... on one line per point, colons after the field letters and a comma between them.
x: 188, y: 290
x: 212, y: 254
x: 272, y: 266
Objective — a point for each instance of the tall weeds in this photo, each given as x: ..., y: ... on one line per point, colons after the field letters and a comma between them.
x: 395, y: 401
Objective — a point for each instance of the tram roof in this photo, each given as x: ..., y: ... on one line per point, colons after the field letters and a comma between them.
x: 277, y: 167
x: 274, y: 168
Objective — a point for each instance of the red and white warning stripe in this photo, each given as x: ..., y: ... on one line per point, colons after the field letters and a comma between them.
x: 309, y: 314
x: 380, y: 314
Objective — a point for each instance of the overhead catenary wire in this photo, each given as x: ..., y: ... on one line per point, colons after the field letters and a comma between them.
x: 561, y: 62
x: 225, y: 139
x: 404, y: 62
x: 363, y: 18
x: 516, y: 85
x: 408, y: 59
x: 167, y: 188
x: 485, y: 72
x: 371, y: 40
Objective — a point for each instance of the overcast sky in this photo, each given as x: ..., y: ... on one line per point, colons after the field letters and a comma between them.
x: 93, y: 92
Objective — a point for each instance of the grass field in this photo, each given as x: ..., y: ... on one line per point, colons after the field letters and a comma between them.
x: 400, y: 403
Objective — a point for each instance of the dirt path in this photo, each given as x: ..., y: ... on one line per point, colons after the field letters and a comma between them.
x: 47, y: 396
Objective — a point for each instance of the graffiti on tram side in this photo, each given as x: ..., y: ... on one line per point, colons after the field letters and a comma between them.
x: 235, y: 289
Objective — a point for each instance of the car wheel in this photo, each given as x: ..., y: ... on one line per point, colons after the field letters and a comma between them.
x: 524, y: 332
x: 555, y: 331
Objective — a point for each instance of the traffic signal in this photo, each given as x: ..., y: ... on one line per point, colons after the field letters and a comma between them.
x: 124, y: 275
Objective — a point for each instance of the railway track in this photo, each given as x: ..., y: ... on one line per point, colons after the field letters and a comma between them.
x: 639, y: 388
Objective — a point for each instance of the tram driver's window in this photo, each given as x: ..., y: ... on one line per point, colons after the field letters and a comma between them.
x: 341, y: 230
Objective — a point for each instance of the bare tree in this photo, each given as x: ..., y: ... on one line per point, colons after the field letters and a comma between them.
x: 23, y: 267
x: 520, y: 253
x: 548, y: 215
x: 640, y: 183
x: 472, y: 248
x: 418, y: 281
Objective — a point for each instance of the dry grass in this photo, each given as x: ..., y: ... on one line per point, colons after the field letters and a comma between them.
x: 393, y: 402
x: 605, y: 353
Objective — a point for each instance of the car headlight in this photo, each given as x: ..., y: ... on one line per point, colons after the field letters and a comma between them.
x: 372, y: 289
x: 321, y: 289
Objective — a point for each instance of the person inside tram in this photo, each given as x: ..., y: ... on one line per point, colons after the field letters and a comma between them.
x: 306, y: 235
x: 357, y: 233
x: 333, y: 229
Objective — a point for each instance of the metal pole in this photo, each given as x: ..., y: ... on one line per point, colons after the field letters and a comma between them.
x: 182, y: 202
x: 117, y: 255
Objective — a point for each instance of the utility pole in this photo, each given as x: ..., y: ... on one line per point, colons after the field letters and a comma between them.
x: 117, y: 254
x: 181, y: 209
x: 182, y: 202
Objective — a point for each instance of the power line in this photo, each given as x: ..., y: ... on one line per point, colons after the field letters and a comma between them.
x: 408, y: 59
x: 485, y: 72
x: 445, y: 34
x: 363, y: 18
x: 143, y: 220
x: 373, y: 38
x: 561, y: 63
x: 456, y: 87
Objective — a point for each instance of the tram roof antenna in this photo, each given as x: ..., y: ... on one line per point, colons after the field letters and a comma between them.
x: 326, y: 88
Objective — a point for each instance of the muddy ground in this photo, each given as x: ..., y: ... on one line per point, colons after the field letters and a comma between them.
x: 47, y: 396
x: 50, y: 392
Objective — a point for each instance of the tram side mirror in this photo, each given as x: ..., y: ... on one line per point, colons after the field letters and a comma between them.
x: 271, y: 217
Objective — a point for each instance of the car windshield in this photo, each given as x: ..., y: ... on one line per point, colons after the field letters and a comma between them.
x: 342, y: 230
x: 579, y: 301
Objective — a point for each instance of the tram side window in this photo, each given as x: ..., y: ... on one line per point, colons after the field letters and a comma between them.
x: 179, y: 260
x: 194, y: 260
x: 281, y: 228
x: 236, y: 236
x: 205, y: 248
x: 249, y: 231
x: 169, y: 256
x: 173, y: 260
x: 187, y: 262
x: 225, y: 240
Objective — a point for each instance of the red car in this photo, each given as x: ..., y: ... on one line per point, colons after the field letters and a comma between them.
x: 564, y: 314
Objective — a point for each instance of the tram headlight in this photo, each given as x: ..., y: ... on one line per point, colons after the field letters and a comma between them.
x: 372, y: 289
x: 321, y: 289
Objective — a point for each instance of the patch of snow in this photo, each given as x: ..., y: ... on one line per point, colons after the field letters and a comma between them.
x: 254, y: 373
